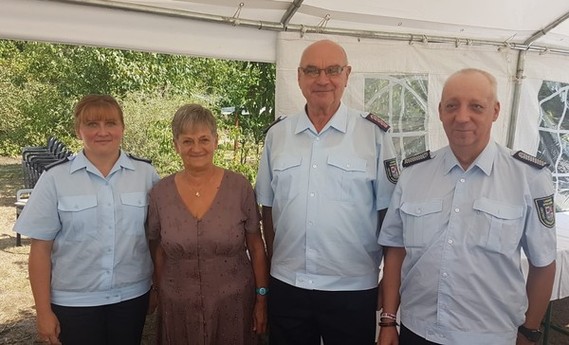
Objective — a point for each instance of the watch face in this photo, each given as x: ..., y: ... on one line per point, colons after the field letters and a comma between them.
x: 262, y: 291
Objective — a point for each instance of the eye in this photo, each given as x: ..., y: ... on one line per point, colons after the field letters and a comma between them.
x: 477, y: 107
x: 311, y: 71
x: 450, y: 106
x: 334, y: 70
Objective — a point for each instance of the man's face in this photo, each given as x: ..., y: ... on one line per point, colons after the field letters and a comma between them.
x: 323, y: 89
x: 467, y: 110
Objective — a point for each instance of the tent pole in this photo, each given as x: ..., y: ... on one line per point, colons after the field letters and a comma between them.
x: 290, y: 11
x: 518, y: 78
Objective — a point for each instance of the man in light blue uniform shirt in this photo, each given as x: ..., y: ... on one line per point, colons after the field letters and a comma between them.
x: 325, y: 177
x: 456, y: 225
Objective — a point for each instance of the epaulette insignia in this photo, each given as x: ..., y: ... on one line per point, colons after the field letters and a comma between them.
x: 418, y: 158
x: 56, y: 163
x: 529, y: 159
x: 279, y: 119
x: 378, y: 121
x: 145, y: 160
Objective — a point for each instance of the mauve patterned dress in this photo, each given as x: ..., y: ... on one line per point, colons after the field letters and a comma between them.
x: 207, y: 289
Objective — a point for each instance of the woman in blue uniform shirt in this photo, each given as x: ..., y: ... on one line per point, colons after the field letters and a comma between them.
x: 89, y: 265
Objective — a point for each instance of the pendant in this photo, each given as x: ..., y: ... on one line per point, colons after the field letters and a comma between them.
x: 198, y: 194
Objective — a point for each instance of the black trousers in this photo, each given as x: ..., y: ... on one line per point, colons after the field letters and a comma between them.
x: 406, y: 337
x: 113, y: 324
x: 301, y: 317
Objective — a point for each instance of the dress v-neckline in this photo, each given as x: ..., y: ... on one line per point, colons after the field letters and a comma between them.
x: 208, y: 208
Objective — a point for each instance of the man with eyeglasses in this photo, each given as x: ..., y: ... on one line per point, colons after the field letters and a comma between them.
x: 325, y: 179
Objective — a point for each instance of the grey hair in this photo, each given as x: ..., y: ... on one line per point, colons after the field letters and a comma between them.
x: 190, y: 116
x: 489, y: 76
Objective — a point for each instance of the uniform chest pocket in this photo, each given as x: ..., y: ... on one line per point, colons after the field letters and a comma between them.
x: 346, y: 173
x: 134, y: 207
x: 285, y: 170
x: 78, y: 216
x: 421, y: 221
x: 501, y: 224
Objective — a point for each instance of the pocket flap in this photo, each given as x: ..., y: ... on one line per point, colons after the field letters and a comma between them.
x: 347, y: 163
x: 419, y: 209
x: 499, y: 209
x: 138, y: 199
x: 286, y: 162
x: 77, y: 203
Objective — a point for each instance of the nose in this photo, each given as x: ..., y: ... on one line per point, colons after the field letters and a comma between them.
x: 462, y: 114
x: 322, y: 77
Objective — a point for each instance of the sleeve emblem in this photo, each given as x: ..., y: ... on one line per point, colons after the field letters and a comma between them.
x: 545, y: 208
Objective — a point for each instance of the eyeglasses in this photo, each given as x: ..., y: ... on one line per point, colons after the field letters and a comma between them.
x: 314, y: 72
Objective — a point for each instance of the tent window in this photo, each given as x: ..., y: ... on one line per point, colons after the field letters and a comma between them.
x: 401, y: 100
x: 554, y: 136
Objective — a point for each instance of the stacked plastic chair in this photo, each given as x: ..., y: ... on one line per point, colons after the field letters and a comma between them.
x: 35, y: 160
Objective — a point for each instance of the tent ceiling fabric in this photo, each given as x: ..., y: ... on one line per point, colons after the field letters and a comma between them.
x: 247, y: 29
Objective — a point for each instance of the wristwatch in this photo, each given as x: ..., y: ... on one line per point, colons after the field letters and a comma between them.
x: 263, y: 291
x: 532, y: 335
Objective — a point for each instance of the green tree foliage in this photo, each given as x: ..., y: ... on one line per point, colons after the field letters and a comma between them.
x: 41, y: 82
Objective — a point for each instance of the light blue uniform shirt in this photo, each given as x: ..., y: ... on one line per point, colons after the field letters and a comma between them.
x: 100, y: 253
x: 461, y: 280
x: 325, y: 190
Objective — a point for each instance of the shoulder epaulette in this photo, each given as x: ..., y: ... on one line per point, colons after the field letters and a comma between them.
x: 378, y: 121
x: 279, y: 119
x: 145, y: 160
x: 418, y: 158
x: 529, y: 159
x: 56, y: 163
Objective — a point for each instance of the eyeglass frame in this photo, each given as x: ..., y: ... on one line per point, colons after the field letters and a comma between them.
x: 325, y: 69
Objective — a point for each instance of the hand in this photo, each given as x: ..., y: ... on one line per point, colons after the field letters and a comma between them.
x: 388, y: 336
x: 48, y: 328
x: 260, y: 315
x: 521, y: 340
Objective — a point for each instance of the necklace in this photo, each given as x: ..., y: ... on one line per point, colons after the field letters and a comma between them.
x: 198, y: 191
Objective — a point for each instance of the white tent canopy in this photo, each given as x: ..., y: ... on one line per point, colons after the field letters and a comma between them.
x: 247, y: 29
x: 401, y: 50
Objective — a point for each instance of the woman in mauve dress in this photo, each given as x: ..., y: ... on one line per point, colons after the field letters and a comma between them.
x: 210, y: 265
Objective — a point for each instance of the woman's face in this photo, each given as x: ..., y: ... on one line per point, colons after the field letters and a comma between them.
x: 101, y: 132
x: 196, y: 146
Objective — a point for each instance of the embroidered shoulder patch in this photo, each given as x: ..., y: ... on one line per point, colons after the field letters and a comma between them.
x: 418, y: 158
x: 545, y: 208
x: 378, y: 121
x: 279, y: 119
x: 391, y: 170
x: 529, y: 159
x: 59, y: 162
x: 145, y: 160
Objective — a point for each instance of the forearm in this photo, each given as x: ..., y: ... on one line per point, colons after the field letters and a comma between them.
x: 258, y: 259
x: 538, y: 287
x: 392, y: 278
x: 268, y: 230
x: 157, y: 254
x: 39, y: 267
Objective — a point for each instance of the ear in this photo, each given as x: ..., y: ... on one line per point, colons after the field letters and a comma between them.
x: 496, y: 111
x: 440, y: 111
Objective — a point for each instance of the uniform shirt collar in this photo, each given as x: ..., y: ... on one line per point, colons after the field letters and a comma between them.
x: 80, y: 161
x: 339, y: 121
x: 484, y: 161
